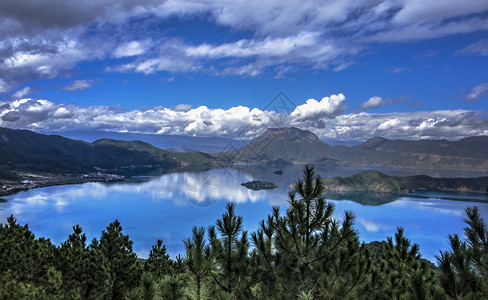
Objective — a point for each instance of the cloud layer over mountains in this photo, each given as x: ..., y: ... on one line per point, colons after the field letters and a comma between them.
x: 324, y: 117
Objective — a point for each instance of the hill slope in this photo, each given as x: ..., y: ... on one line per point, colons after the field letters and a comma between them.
x: 287, y: 144
x: 300, y: 146
x: 468, y: 154
x: 28, y: 151
x: 373, y: 181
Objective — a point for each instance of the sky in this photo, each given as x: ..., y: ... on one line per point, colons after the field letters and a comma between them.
x: 345, y: 70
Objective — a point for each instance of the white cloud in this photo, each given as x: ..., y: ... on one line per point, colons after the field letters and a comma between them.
x: 479, y: 48
x: 37, y: 43
x: 130, y: 49
x: 440, y: 124
x: 46, y: 59
x: 425, y: 11
x: 21, y: 93
x: 373, y: 102
x: 182, y: 107
x: 328, y: 107
x: 325, y: 118
x: 266, y: 47
x: 477, y: 92
x: 79, y: 85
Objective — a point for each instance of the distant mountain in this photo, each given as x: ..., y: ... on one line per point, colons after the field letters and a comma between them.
x: 469, y: 154
x: 25, y: 150
x: 177, y: 143
x: 300, y: 146
x: 287, y: 144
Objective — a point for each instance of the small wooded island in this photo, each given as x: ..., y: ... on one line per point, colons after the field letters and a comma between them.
x: 257, y: 185
x: 374, y: 181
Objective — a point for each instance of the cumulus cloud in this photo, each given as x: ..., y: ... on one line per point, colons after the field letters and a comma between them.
x: 441, y: 124
x: 21, y: 93
x: 79, y: 85
x: 477, y: 92
x: 373, y: 102
x: 328, y: 107
x: 325, y: 118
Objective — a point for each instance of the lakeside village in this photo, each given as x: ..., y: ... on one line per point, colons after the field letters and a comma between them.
x: 37, y: 180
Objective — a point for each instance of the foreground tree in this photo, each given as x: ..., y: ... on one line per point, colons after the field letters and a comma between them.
x: 197, y: 257
x: 26, y: 264
x: 86, y: 273
x: 229, y: 251
x: 122, y: 261
x: 158, y: 263
x: 464, y: 269
x: 306, y: 251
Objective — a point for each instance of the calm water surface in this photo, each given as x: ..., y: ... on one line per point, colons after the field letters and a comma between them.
x: 167, y: 207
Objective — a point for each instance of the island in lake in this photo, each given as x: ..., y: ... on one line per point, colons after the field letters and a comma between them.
x: 257, y: 185
x: 374, y: 181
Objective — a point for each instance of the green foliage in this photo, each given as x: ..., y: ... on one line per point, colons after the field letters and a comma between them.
x: 464, y: 269
x: 308, y: 252
x: 25, y: 263
x: 86, y: 273
x: 229, y: 251
x: 122, y: 261
x: 198, y: 258
x: 374, y: 181
x: 302, y: 253
x: 158, y: 263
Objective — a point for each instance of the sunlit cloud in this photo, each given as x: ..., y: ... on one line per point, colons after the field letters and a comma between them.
x: 326, y: 118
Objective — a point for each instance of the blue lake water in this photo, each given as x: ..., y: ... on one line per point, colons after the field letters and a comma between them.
x: 166, y: 207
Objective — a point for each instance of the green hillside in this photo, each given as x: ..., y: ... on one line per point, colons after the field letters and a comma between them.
x: 373, y: 181
x: 29, y: 151
x: 303, y: 147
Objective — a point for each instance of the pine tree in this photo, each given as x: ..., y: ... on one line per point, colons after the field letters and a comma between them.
x: 117, y: 249
x: 229, y: 251
x: 158, y: 262
x: 197, y: 257
x: 464, y: 269
x: 306, y: 250
x: 172, y: 285
x: 86, y: 273
x: 26, y: 262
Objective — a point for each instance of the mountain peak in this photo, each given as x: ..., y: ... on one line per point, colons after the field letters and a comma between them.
x: 289, y: 134
x: 374, y: 142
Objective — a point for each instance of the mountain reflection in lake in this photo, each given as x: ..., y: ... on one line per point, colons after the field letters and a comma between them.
x: 166, y: 207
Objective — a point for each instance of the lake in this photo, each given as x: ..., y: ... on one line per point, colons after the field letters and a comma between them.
x: 166, y: 207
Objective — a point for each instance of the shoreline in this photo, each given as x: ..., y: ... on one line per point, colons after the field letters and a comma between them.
x: 40, y: 180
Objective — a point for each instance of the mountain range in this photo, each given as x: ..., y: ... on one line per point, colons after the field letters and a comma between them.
x: 23, y: 150
x: 300, y: 146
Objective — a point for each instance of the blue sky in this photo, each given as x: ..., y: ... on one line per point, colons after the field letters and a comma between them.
x: 349, y: 70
